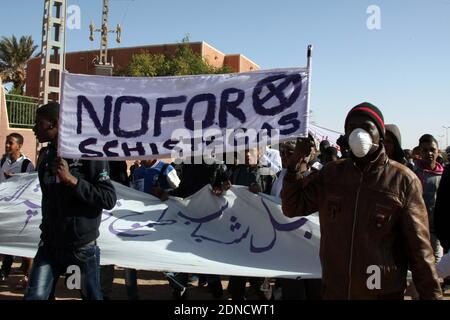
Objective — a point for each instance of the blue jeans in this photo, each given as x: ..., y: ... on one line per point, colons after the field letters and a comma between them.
x: 50, y: 263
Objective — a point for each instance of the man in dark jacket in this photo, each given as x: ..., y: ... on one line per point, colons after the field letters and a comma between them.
x: 442, y: 213
x: 324, y: 145
x: 246, y: 174
x: 442, y: 210
x: 195, y: 175
x: 373, y: 219
x: 74, y: 193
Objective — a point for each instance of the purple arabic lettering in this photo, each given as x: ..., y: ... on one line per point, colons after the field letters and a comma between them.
x: 131, y: 232
x: 286, y: 227
x: 18, y: 193
x: 30, y: 214
x: 234, y: 226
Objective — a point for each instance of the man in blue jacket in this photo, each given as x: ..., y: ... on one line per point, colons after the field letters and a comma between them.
x: 74, y: 193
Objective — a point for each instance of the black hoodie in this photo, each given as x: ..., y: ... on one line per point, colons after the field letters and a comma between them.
x: 399, y: 155
x: 71, y: 216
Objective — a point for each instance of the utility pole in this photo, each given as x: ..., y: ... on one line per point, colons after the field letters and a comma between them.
x: 102, y: 65
x: 53, y: 50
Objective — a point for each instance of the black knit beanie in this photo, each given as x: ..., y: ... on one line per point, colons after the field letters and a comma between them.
x: 369, y: 110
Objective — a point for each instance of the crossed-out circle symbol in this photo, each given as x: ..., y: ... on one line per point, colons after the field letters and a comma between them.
x: 276, y: 90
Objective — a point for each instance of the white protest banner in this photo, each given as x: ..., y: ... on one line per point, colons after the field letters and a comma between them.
x: 142, y: 118
x: 239, y: 233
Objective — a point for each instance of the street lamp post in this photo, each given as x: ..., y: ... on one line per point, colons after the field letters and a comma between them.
x: 446, y: 135
x: 441, y: 139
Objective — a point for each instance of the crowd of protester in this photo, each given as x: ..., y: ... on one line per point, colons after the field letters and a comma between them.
x: 376, y: 202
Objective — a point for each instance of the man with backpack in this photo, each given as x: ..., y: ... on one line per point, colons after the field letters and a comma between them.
x: 154, y: 177
x: 195, y: 173
x: 14, y: 162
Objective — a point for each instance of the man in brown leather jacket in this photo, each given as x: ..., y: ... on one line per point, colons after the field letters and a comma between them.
x: 374, y: 224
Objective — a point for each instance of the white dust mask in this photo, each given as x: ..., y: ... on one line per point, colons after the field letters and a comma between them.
x: 360, y: 142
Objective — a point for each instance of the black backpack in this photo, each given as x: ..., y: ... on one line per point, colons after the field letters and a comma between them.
x: 24, y: 167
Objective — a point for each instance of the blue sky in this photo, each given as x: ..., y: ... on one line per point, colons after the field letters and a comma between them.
x: 403, y: 68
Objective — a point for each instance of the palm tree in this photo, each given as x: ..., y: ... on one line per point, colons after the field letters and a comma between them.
x: 13, y: 59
